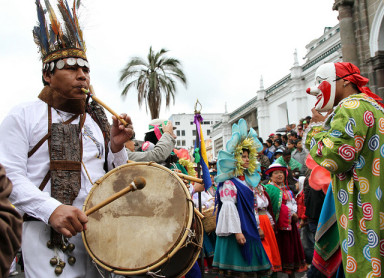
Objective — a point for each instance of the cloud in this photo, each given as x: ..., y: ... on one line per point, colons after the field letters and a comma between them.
x: 224, y: 47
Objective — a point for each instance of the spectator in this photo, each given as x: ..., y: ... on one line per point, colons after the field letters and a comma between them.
x: 291, y: 145
x: 271, y: 147
x: 300, y: 154
x: 10, y: 226
x: 279, y: 145
x: 264, y: 163
x: 266, y: 152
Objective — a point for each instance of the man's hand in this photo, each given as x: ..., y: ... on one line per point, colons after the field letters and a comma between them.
x: 169, y: 128
x: 68, y: 220
x: 198, y: 187
x: 261, y: 233
x: 294, y: 217
x: 317, y: 117
x: 119, y: 133
x: 240, y: 238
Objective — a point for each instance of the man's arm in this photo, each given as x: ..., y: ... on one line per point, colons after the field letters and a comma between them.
x: 335, y: 147
x: 14, y: 147
x: 159, y: 154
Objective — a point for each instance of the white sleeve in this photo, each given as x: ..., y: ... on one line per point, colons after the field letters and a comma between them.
x: 270, y: 218
x: 229, y: 220
x: 116, y: 159
x: 14, y: 147
x: 257, y: 219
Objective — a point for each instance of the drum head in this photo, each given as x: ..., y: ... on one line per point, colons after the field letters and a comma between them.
x: 140, y: 228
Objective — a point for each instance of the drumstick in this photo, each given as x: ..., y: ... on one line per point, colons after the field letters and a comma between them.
x: 190, y: 178
x: 91, y: 93
x: 138, y: 183
x: 199, y: 213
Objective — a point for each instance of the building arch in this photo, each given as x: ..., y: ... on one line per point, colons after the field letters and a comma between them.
x: 376, y: 40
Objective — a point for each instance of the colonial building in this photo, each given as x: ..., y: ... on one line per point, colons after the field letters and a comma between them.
x: 186, y: 128
x: 362, y: 38
x: 285, y: 101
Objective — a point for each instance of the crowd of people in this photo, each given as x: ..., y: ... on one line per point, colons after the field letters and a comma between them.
x: 308, y: 198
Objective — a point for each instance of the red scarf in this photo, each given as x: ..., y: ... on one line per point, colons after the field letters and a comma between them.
x: 351, y: 73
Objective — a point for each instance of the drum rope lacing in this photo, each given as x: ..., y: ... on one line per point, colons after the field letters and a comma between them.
x: 97, y: 267
x: 155, y: 274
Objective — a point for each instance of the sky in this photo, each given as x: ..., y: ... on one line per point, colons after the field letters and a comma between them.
x: 224, y: 47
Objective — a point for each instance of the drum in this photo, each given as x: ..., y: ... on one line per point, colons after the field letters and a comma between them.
x: 151, y: 232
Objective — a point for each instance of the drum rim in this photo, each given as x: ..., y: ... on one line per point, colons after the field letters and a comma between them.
x: 179, y: 242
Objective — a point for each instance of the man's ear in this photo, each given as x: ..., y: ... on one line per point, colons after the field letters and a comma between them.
x: 47, y: 76
x: 346, y: 83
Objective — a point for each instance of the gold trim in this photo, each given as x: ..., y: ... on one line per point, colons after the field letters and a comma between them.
x: 64, y: 53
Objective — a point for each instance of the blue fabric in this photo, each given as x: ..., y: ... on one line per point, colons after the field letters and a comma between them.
x: 209, y: 241
x: 327, y: 215
x: 268, y: 154
x: 245, y: 207
x: 204, y: 167
x: 206, y: 175
x: 195, y: 271
x: 228, y: 256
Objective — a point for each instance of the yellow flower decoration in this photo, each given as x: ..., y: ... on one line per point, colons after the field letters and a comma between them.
x: 188, y: 165
x: 250, y: 145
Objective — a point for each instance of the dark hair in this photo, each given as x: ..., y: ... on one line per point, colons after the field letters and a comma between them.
x: 291, y: 141
x: 261, y: 140
x: 172, y: 158
x: 151, y: 137
x: 278, y: 141
x: 286, y: 152
x: 266, y: 145
x: 269, y: 141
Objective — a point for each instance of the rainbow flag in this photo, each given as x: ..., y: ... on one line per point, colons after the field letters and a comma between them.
x: 201, y: 151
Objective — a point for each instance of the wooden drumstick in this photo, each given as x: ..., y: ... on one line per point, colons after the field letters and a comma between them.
x: 198, y: 213
x: 190, y: 178
x: 91, y: 93
x: 137, y: 184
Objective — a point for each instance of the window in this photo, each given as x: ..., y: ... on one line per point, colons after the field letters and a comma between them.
x: 183, y: 133
x: 177, y: 123
x: 183, y: 142
x: 208, y: 131
x: 178, y: 142
x: 194, y: 143
x: 178, y: 132
x: 194, y: 132
x: 192, y: 123
x: 206, y: 123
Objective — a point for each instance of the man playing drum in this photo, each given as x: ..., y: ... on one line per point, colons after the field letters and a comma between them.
x: 54, y: 148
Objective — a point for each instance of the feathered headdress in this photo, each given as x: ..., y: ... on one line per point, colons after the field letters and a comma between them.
x: 230, y: 163
x: 58, y: 41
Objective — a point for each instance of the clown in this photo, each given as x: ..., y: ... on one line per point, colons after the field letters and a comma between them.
x: 350, y: 144
x: 325, y: 87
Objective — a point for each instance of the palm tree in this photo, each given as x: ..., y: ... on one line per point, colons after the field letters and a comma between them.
x: 152, y: 78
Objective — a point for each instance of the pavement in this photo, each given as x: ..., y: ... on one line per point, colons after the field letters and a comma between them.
x: 206, y: 275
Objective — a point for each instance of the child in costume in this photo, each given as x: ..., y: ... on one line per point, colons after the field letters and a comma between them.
x: 285, y: 209
x: 238, y: 245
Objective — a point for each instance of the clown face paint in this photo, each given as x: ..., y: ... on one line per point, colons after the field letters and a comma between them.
x: 325, y: 87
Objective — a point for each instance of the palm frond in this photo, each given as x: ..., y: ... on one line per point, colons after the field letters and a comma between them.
x: 154, y: 79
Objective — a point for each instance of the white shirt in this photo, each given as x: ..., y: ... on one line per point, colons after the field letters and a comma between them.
x: 229, y: 219
x: 20, y: 131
